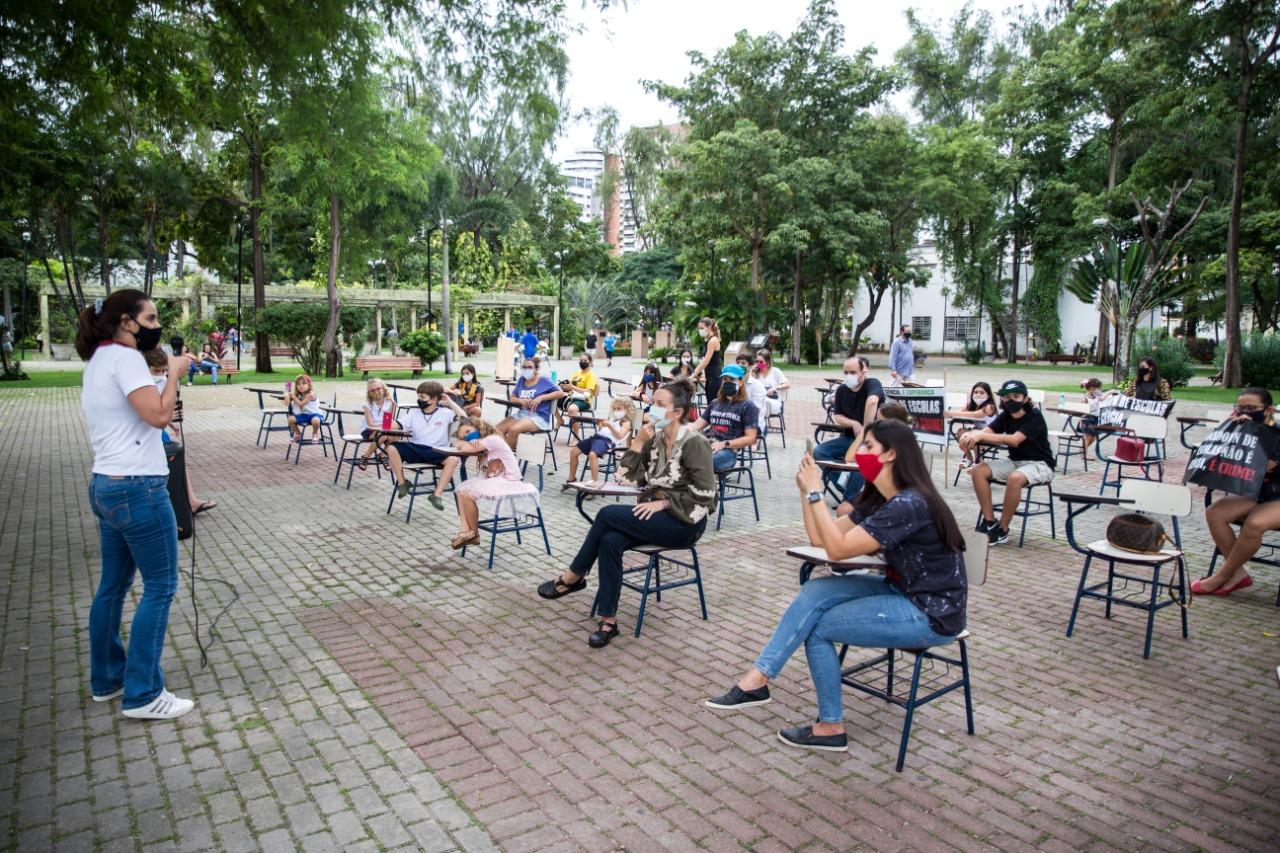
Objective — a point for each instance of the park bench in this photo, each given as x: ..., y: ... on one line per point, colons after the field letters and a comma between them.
x: 226, y: 367
x: 366, y: 363
x: 281, y: 352
x: 1055, y: 357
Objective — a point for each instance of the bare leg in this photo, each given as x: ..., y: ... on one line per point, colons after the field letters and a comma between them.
x: 293, y: 427
x: 574, y: 453
x: 1012, y: 495
x: 594, y: 459
x: 1262, y: 518
x: 1220, y: 516
x: 446, y: 475
x: 982, y: 489
x: 513, y: 432
x: 397, y: 469
x: 468, y: 514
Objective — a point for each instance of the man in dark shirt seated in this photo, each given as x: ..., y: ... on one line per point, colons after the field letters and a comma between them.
x: 856, y: 403
x: 1020, y: 427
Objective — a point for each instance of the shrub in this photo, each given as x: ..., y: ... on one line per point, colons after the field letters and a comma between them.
x: 1201, y: 350
x: 656, y: 354
x: 1259, y: 360
x: 972, y: 353
x: 1169, y: 353
x: 426, y: 345
x: 301, y: 325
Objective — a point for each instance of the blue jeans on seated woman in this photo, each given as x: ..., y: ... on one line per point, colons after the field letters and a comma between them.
x: 722, y: 459
x: 139, y: 534
x: 855, y: 610
x: 206, y: 366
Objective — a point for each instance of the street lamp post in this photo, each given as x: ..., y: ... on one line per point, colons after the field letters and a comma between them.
x: 560, y: 258
x: 431, y: 315
x: 444, y: 297
x: 239, y: 288
x: 26, y: 324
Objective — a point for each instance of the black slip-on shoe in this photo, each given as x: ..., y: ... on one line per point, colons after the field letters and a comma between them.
x: 803, y: 737
x: 739, y: 698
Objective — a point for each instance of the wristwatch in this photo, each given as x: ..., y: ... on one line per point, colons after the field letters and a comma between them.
x: 814, y: 496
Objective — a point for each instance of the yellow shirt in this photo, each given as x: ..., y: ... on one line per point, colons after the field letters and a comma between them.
x: 586, y: 381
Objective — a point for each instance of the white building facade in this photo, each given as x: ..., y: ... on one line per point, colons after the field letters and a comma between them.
x: 939, y: 326
x: 583, y: 171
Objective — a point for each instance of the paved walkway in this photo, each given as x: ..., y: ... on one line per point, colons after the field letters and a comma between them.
x: 370, y: 690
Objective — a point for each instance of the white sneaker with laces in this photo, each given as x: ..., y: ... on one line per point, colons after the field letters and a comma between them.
x: 166, y: 706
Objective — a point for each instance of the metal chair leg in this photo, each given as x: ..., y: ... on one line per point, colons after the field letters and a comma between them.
x: 968, y: 691
x: 1075, y: 608
x: 911, y: 711
x: 644, y: 593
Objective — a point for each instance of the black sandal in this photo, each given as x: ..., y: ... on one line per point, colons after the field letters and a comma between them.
x: 605, y: 632
x: 549, y: 589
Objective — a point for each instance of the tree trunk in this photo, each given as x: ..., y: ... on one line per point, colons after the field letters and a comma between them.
x: 103, y: 241
x: 181, y: 270
x: 1011, y: 340
x: 755, y: 265
x: 332, y: 355
x: 1231, y: 356
x: 797, y: 304
x: 876, y: 292
x: 1124, y: 341
x: 150, y: 243
x: 262, y: 346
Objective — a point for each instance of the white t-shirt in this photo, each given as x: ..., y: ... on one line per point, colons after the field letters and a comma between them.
x: 773, y: 378
x: 758, y: 396
x: 124, y: 445
x: 431, y: 430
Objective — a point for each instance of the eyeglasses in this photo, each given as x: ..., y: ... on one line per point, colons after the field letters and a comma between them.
x: 1248, y: 409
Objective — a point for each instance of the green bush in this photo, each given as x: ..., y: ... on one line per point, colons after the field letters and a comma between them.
x: 657, y: 354
x: 972, y: 353
x: 1201, y: 350
x: 1170, y: 355
x: 301, y: 325
x: 426, y: 345
x: 1259, y: 360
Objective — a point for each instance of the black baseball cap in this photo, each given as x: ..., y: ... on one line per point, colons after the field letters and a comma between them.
x: 1012, y: 386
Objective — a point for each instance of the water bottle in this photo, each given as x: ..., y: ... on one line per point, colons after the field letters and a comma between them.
x: 553, y: 378
x: 288, y: 386
x: 1062, y: 401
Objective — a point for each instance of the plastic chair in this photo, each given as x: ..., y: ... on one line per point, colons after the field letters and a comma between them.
x: 513, y: 523
x: 325, y: 440
x: 1150, y: 498
x: 1149, y: 428
x: 780, y: 417
x: 416, y: 487
x: 652, y: 584
x: 975, y: 568
x: 532, y: 448
x: 736, y: 490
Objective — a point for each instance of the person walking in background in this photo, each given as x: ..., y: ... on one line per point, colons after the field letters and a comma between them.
x: 902, y: 359
x: 610, y: 341
x: 530, y: 343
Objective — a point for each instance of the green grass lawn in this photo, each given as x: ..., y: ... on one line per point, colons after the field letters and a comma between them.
x: 71, y: 378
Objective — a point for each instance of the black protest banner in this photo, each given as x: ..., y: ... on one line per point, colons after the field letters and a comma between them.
x: 1115, y: 409
x: 926, y: 406
x: 1232, y: 458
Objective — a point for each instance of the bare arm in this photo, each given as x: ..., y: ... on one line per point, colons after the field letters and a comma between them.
x: 713, y: 344
x: 157, y: 408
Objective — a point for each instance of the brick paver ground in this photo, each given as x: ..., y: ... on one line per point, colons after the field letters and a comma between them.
x: 372, y: 690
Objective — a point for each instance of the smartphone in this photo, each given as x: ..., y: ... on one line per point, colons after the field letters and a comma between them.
x: 808, y: 446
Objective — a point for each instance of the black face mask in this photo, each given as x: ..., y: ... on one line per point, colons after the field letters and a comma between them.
x: 1257, y: 417
x: 1012, y: 406
x: 147, y: 338
x: 423, y: 404
x: 1144, y: 375
x: 582, y: 365
x: 906, y: 336
x: 730, y: 389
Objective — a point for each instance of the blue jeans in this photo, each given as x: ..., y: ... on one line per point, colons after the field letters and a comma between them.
x: 857, y: 610
x: 853, y: 487
x: 722, y: 459
x: 139, y: 534
x: 833, y: 449
x: 211, y: 366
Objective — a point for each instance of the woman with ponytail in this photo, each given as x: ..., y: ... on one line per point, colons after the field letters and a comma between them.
x: 126, y: 414
x: 712, y: 363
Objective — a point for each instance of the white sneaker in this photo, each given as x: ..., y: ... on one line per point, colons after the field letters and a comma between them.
x: 107, y: 697
x: 166, y: 706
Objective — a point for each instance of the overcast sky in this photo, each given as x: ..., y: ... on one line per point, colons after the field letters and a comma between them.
x: 650, y: 38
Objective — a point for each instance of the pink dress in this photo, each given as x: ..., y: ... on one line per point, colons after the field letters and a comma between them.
x: 505, y: 493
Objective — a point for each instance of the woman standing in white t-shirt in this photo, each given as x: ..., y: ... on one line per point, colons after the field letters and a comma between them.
x: 125, y: 415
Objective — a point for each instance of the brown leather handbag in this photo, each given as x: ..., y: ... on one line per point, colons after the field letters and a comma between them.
x: 1136, y: 532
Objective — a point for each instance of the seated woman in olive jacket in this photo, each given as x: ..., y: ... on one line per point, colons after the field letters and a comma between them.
x: 671, y: 462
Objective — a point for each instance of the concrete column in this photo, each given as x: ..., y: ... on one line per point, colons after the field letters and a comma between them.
x: 377, y: 325
x: 186, y: 309
x: 466, y: 327
x: 506, y: 319
x: 44, y: 324
x: 204, y: 307
x: 413, y: 319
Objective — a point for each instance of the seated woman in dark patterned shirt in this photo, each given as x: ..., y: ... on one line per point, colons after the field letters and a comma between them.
x: 918, y: 602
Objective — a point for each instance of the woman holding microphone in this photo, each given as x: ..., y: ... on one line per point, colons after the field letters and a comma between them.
x: 125, y: 415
